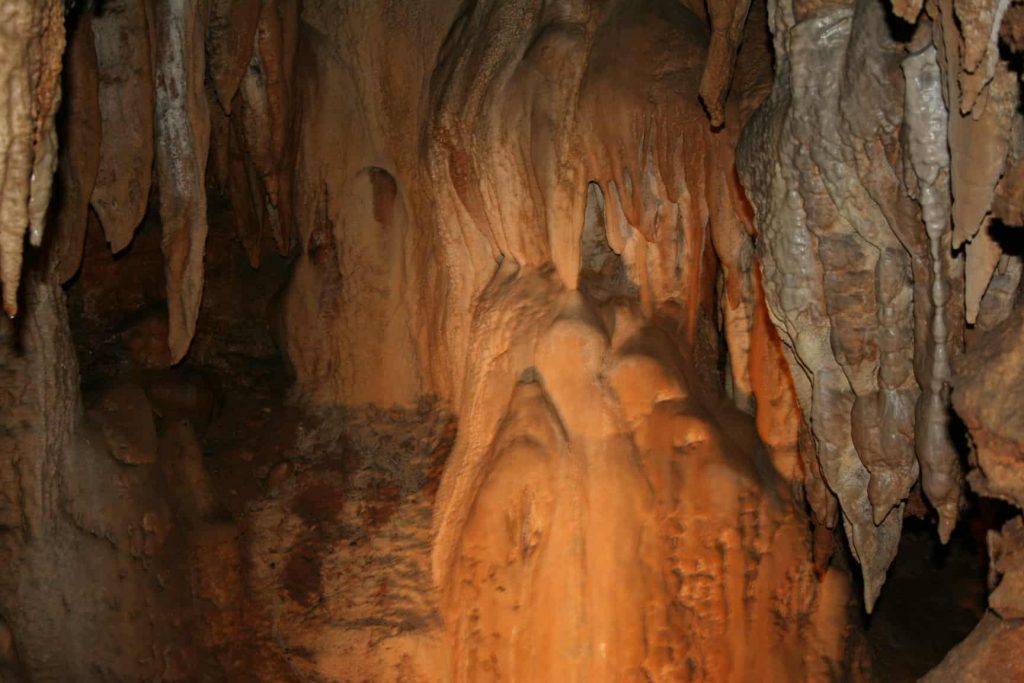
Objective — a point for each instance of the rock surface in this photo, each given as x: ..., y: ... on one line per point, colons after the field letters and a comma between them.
x: 30, y: 65
x: 869, y: 166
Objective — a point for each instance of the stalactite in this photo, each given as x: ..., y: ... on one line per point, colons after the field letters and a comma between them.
x: 927, y: 121
x: 79, y: 150
x: 815, y: 252
x: 728, y: 20
x: 981, y: 94
x: 263, y: 115
x: 229, y: 42
x: 241, y: 183
x: 124, y: 57
x: 30, y: 66
x: 978, y: 33
x: 183, y: 136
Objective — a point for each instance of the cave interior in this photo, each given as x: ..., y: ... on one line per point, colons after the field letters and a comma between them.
x: 520, y: 340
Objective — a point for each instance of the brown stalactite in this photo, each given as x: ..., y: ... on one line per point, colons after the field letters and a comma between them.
x: 978, y: 35
x: 241, y: 183
x: 126, y: 85
x: 45, y: 59
x: 834, y: 366
x: 229, y: 45
x: 728, y: 20
x: 852, y: 219
x: 927, y: 121
x: 79, y: 151
x: 264, y: 119
x: 182, y: 128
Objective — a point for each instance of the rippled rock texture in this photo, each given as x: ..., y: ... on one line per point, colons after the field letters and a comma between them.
x: 873, y: 167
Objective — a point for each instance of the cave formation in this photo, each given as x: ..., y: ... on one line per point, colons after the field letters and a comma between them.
x: 526, y: 340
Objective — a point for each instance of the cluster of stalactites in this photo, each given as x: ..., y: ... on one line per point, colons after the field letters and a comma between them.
x: 875, y: 168
x: 141, y: 118
x: 31, y: 47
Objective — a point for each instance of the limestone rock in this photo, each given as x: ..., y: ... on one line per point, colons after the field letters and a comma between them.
x: 992, y: 649
x: 182, y: 126
x: 127, y: 422
x: 229, y: 44
x: 79, y: 148
x: 122, y: 36
x: 995, y: 368
x: 1006, y: 551
x: 30, y: 65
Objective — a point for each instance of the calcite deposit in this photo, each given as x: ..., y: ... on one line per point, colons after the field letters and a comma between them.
x: 123, y: 46
x: 892, y: 167
x: 30, y: 65
x: 569, y: 340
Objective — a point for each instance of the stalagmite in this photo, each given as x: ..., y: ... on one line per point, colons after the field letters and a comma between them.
x: 30, y: 62
x: 124, y: 55
x: 183, y: 138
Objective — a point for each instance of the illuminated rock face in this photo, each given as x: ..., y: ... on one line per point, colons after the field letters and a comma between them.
x: 877, y: 169
x: 538, y: 244
x: 875, y: 207
x: 623, y: 307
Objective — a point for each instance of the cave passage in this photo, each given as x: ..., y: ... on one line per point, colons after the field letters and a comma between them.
x: 511, y: 340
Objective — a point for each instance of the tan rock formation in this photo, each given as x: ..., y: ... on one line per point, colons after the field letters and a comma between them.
x: 30, y: 65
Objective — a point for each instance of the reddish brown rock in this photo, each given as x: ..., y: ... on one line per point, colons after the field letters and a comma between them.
x: 229, y: 44
x: 80, y: 149
x: 126, y: 82
x: 126, y: 419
